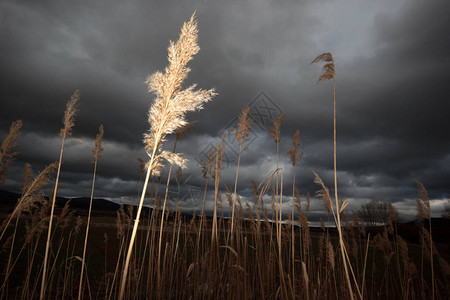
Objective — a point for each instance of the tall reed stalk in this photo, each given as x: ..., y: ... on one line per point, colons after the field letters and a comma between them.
x: 328, y: 72
x: 294, y: 155
x: 241, y: 135
x: 216, y: 176
x: 167, y: 113
x: 97, y: 155
x: 69, y: 122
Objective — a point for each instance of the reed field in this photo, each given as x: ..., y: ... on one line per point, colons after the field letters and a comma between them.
x: 50, y: 251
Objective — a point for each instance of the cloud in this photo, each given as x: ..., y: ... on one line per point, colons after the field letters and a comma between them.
x: 391, y: 72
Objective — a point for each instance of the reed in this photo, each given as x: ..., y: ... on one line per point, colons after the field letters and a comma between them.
x: 294, y: 156
x: 328, y: 72
x: 167, y: 113
x: 97, y: 155
x: 241, y: 135
x: 66, y: 131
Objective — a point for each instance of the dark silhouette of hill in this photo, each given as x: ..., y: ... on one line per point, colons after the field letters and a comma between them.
x: 409, y: 231
x: 82, y: 203
x: 9, y: 199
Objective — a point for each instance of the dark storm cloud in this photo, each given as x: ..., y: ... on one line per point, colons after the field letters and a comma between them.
x: 391, y: 72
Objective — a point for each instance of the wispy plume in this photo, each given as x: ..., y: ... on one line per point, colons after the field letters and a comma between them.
x: 69, y: 115
x: 7, y: 155
x: 328, y: 68
x: 167, y: 113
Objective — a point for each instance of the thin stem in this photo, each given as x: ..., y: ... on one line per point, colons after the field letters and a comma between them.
x: 338, y: 218
x: 87, y: 232
x: 235, y: 191
x: 161, y: 228
x: 47, y: 246
x: 133, y: 234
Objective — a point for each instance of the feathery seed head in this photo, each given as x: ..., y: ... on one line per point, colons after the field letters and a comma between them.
x: 325, y: 57
x: 219, y: 158
x: 275, y: 131
x: 244, y: 126
x: 403, y: 249
x: 69, y: 115
x: 167, y: 113
x: 78, y: 224
x: 423, y: 204
x: 293, y: 152
x: 330, y: 255
x: 27, y: 177
x: 207, y: 164
x: 32, y: 190
x: 328, y: 69
x: 98, y: 143
x: 6, y: 155
x: 323, y: 193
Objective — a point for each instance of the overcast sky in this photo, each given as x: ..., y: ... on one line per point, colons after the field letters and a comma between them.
x: 392, y: 60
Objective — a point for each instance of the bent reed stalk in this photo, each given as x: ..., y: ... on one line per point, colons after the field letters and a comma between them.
x: 328, y: 72
x: 167, y: 113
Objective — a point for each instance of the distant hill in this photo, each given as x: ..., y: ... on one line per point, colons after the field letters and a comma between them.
x: 9, y: 199
x: 82, y: 203
x: 409, y: 231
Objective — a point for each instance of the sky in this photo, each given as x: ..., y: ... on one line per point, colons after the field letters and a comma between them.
x: 391, y: 58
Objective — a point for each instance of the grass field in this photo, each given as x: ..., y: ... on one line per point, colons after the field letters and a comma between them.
x: 249, y: 269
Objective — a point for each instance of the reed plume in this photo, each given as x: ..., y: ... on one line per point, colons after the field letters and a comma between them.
x: 168, y: 112
x: 32, y: 193
x: 330, y: 255
x: 328, y: 68
x: 7, y: 155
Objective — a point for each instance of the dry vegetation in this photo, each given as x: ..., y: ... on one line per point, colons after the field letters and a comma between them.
x: 165, y: 255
